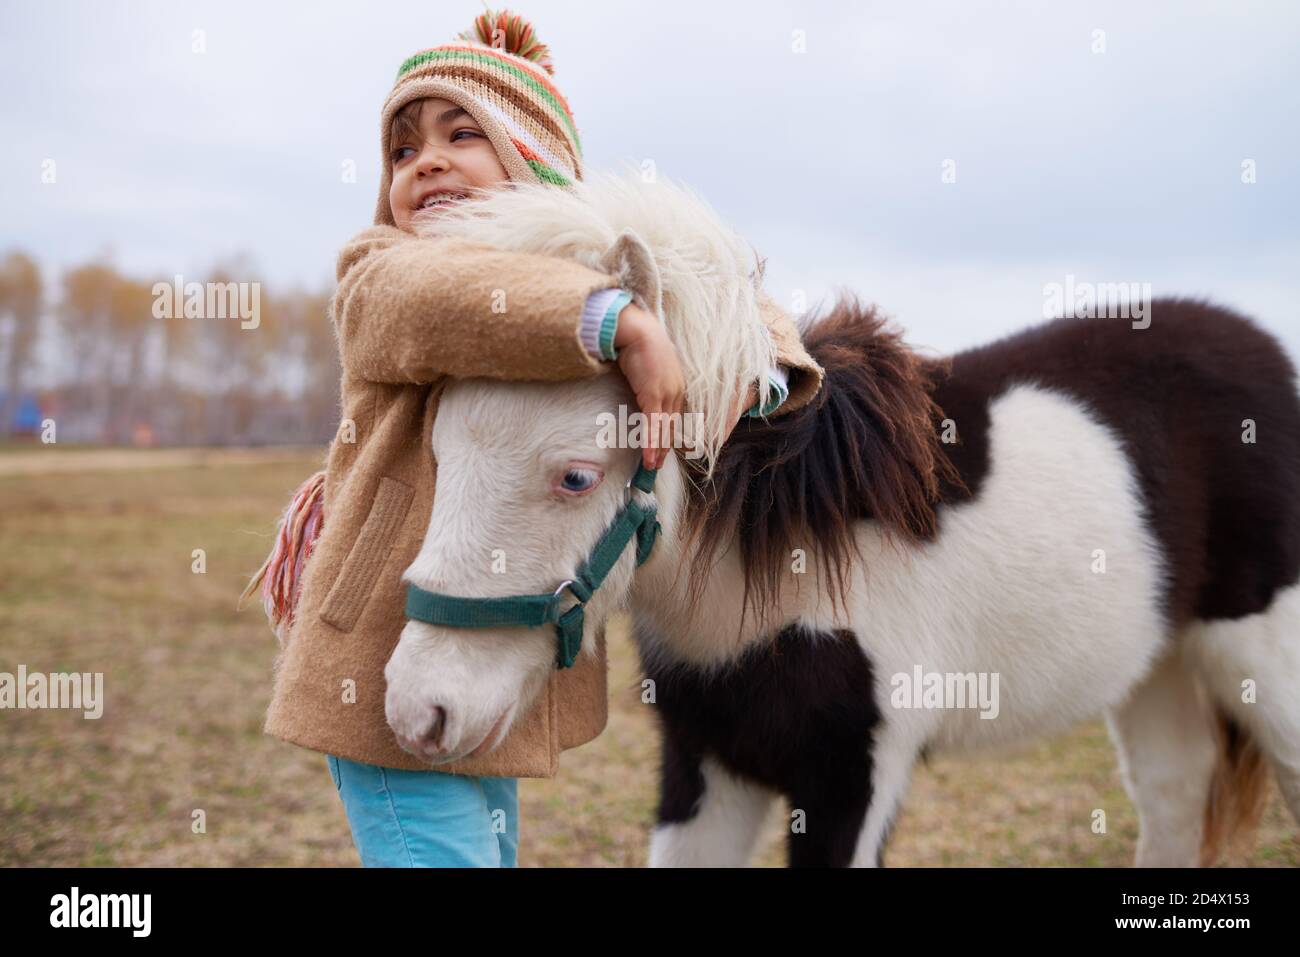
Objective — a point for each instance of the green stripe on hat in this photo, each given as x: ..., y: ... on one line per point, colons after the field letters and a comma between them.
x: 428, y: 56
x: 548, y: 175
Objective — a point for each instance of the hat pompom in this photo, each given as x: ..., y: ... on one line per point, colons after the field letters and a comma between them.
x: 512, y: 33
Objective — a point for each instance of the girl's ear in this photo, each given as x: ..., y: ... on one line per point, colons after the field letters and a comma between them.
x: 630, y: 259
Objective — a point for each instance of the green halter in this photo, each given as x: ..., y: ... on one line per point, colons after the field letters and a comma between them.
x: 532, y: 611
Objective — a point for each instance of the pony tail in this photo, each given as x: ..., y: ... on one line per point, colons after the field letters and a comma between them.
x: 1238, y: 792
x: 280, y: 577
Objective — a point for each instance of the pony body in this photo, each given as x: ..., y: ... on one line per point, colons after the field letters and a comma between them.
x: 1102, y: 530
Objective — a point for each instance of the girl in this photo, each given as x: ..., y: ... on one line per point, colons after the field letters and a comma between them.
x: 462, y: 118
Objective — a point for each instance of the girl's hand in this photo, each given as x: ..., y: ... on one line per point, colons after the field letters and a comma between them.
x: 649, y: 360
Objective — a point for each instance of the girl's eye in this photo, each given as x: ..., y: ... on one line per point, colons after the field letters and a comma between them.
x: 399, y: 155
x: 580, y: 480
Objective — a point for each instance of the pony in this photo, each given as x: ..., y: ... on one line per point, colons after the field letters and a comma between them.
x: 934, y: 555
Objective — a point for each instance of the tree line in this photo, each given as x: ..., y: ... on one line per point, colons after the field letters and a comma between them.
x: 92, y: 352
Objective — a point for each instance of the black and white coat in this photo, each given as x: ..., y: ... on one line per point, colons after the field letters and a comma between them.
x: 1114, y: 531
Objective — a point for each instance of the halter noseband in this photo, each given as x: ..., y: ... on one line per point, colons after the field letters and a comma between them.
x: 633, y: 519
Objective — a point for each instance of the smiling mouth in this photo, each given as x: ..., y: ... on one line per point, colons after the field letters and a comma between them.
x: 442, y: 201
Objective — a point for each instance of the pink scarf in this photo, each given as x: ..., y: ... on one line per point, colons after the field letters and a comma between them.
x: 281, y: 574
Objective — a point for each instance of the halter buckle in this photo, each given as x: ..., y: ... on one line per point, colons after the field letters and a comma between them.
x: 577, y: 592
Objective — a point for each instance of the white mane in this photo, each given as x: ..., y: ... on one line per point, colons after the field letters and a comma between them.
x: 709, y: 275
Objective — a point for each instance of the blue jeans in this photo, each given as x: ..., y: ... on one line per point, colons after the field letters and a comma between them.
x: 428, y: 818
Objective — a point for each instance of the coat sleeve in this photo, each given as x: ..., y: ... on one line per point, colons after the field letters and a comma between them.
x: 804, y: 374
x: 410, y: 309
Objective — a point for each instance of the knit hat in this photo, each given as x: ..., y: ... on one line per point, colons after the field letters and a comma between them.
x: 501, y: 75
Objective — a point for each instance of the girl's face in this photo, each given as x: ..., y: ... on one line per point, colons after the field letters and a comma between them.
x: 450, y: 153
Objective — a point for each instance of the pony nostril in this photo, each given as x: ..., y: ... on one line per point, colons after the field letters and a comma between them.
x: 434, y: 734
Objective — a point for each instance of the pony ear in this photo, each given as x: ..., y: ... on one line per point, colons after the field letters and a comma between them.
x: 630, y: 259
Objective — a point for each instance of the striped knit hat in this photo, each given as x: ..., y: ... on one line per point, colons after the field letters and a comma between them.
x: 501, y: 76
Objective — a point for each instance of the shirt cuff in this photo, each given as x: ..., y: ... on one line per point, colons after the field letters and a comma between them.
x: 780, y: 391
x: 600, y: 321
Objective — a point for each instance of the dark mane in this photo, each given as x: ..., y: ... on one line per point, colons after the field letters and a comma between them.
x: 865, y: 447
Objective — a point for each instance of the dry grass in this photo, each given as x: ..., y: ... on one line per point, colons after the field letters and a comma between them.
x: 95, y: 575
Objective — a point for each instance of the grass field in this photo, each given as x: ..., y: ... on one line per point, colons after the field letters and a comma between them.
x: 95, y: 575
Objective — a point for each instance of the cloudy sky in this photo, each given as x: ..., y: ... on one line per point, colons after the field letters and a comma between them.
x: 819, y: 129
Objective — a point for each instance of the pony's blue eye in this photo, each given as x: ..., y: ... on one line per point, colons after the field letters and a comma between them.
x: 580, y: 480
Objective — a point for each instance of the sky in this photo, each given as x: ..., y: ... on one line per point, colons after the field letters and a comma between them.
x: 1102, y: 141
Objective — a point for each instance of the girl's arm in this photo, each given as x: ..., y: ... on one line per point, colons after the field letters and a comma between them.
x: 794, y: 366
x: 600, y: 328
x: 409, y: 310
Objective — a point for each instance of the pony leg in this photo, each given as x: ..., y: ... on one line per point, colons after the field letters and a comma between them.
x: 1165, y: 736
x: 1252, y: 667
x: 708, y: 817
x: 891, y: 772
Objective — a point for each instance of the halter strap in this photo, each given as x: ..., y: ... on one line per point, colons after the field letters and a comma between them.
x: 633, y: 520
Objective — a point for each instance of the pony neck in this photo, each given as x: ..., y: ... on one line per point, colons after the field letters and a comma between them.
x: 712, y: 631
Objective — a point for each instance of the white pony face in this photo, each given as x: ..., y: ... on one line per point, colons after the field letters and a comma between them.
x: 523, y: 494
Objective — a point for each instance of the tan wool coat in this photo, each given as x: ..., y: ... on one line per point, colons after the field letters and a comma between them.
x: 408, y: 313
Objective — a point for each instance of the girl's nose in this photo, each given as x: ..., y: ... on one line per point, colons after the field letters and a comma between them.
x: 431, y: 160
